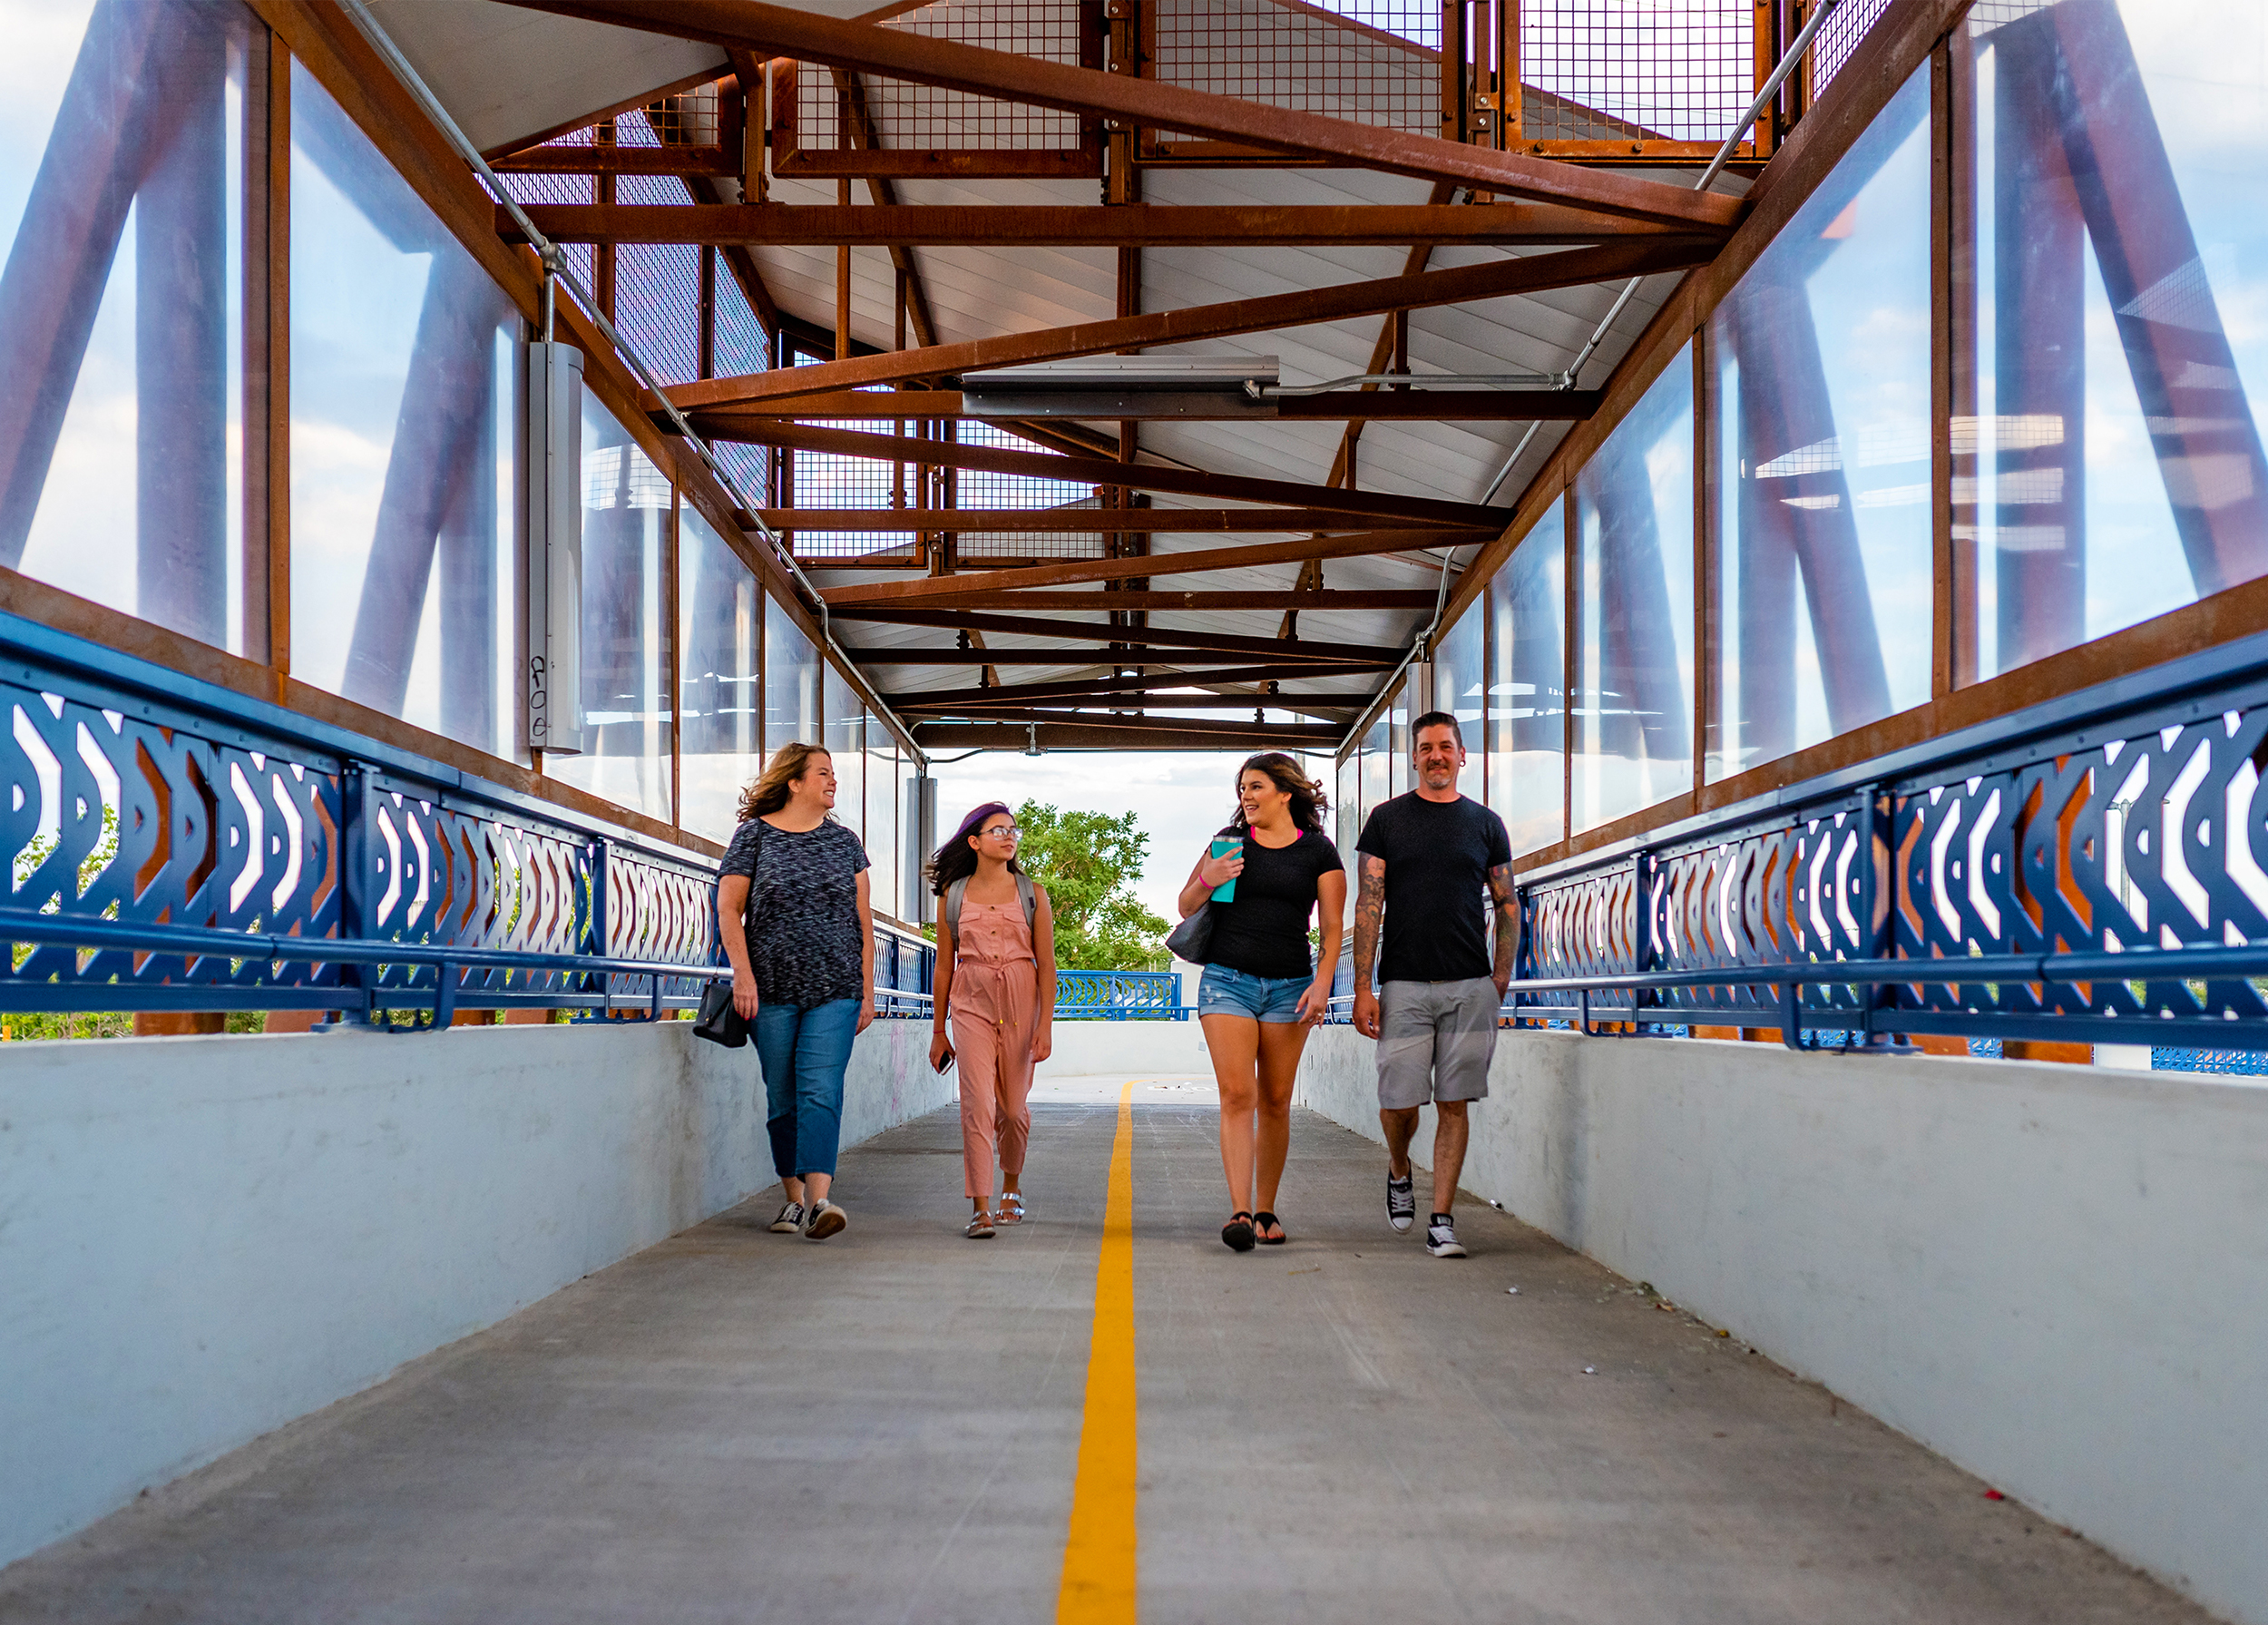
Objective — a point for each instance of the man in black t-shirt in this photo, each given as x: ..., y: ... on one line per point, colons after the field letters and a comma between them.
x: 1426, y: 858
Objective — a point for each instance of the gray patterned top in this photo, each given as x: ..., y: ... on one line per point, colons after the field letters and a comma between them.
x: 803, y: 910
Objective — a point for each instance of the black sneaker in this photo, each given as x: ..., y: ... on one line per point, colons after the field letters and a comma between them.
x: 827, y: 1218
x: 1401, y: 1201
x: 790, y: 1219
x: 1440, y: 1239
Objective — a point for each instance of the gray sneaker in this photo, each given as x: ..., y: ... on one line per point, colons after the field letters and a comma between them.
x: 827, y: 1218
x: 1401, y: 1201
x: 789, y: 1221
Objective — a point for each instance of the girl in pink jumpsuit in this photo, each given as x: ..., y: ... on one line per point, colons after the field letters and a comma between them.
x: 996, y: 983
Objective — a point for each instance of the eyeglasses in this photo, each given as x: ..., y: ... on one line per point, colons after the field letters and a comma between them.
x: 1009, y: 830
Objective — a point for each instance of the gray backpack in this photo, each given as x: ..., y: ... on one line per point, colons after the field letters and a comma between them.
x: 1024, y: 889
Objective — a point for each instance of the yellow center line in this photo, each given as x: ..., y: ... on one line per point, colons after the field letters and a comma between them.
x: 1098, y: 1558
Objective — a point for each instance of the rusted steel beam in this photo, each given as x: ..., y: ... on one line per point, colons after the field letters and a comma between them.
x: 1143, y: 225
x: 1133, y: 734
x: 1312, y: 704
x: 1129, y: 683
x: 947, y: 587
x: 606, y: 160
x: 1196, y: 728
x: 1126, y: 654
x: 989, y: 521
x: 1102, y: 471
x: 1498, y: 279
x: 1099, y: 630
x: 1148, y: 103
x: 1099, y: 603
x: 1424, y: 406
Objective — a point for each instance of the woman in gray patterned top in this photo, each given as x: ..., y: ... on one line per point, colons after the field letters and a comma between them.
x: 792, y: 907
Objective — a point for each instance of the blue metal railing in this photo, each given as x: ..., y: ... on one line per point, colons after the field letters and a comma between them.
x: 176, y: 846
x: 2092, y: 869
x: 1120, y: 997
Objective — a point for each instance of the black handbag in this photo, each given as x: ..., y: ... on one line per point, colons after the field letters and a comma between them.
x: 1192, y: 939
x: 719, y: 1021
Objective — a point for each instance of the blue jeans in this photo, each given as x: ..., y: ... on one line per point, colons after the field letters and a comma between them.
x: 805, y: 1052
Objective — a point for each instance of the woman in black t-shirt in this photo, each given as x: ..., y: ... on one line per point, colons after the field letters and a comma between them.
x: 1260, y: 990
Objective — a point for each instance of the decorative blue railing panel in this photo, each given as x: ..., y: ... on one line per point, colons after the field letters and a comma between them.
x: 2125, y: 821
x: 1118, y: 996
x: 139, y: 797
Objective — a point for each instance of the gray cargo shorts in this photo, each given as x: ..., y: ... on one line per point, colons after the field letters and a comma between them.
x: 1434, y: 1041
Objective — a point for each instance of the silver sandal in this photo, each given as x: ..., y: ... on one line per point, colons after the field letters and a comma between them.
x: 979, y: 1226
x: 1011, y: 1207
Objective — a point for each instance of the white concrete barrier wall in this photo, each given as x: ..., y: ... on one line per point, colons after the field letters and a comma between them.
x: 202, y: 1239
x: 2055, y: 1276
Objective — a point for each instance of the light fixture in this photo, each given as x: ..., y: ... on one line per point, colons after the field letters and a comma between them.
x: 1123, y: 386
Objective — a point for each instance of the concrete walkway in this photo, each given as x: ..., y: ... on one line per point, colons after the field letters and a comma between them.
x: 736, y: 1427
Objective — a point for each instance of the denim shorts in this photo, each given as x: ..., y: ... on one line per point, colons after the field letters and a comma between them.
x: 1225, y: 992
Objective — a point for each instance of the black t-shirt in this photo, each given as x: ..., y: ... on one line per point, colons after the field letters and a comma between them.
x: 1438, y: 855
x: 1262, y: 931
x: 803, y: 940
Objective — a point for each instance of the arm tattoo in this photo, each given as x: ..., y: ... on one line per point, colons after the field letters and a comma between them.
x: 1507, y: 917
x: 1370, y: 903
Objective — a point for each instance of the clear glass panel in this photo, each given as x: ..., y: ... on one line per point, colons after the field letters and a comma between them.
x: 404, y: 406
x: 1346, y: 801
x: 1457, y: 681
x: 1820, y: 374
x: 846, y: 738
x: 1634, y: 634
x: 1398, y: 741
x: 881, y: 818
x: 122, y: 188
x: 720, y: 643
x: 625, y: 656
x: 791, y: 681
x: 1377, y: 765
x: 2106, y: 439
x: 1526, y: 747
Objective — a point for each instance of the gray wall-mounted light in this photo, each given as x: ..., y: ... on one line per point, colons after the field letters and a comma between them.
x: 553, y: 467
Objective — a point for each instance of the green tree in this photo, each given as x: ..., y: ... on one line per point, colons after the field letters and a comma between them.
x: 1089, y: 862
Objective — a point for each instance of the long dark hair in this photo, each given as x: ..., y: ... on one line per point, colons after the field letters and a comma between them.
x: 956, y: 859
x: 1308, y: 803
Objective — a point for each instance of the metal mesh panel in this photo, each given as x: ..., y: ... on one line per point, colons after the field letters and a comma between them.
x: 979, y: 489
x: 925, y: 117
x: 741, y: 348
x: 691, y: 118
x: 1374, y: 62
x: 1669, y: 70
x: 547, y: 189
x: 750, y: 466
x: 658, y: 287
x: 1839, y: 35
x: 740, y: 343
x: 825, y: 481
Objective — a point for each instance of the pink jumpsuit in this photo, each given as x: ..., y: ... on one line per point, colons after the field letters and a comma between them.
x: 994, y: 995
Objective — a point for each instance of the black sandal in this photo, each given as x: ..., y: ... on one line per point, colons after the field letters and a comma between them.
x: 1269, y: 1221
x: 1238, y: 1233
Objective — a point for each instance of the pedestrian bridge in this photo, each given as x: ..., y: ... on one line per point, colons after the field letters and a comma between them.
x: 488, y: 1326
x: 448, y: 449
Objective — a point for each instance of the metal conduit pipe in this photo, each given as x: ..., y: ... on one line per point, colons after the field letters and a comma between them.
x: 555, y: 269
